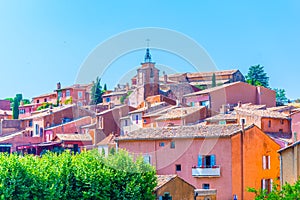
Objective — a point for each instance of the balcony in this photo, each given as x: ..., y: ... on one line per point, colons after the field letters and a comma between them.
x: 214, y: 171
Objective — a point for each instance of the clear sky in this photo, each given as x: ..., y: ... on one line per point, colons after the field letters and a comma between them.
x: 44, y: 42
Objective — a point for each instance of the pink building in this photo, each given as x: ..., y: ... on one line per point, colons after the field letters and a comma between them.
x: 208, y: 157
x: 4, y: 105
x: 231, y: 94
x: 78, y: 94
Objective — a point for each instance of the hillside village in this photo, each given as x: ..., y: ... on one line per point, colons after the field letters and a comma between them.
x: 205, y: 141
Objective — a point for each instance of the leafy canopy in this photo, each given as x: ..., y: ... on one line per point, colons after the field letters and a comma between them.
x: 257, y: 76
x: 87, y: 175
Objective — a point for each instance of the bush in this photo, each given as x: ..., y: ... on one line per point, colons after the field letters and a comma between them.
x: 82, y: 176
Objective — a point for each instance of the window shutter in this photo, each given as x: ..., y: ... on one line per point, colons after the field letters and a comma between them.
x: 264, y: 162
x: 271, y: 184
x: 269, y: 162
x: 263, y: 184
x: 200, y: 163
x: 213, y: 160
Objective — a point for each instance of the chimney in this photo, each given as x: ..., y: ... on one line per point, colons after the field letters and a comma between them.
x: 165, y: 77
x: 239, y: 104
x: 58, y: 86
x: 177, y: 102
x: 127, y: 87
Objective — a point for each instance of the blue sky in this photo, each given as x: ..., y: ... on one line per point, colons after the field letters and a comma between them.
x: 44, y: 42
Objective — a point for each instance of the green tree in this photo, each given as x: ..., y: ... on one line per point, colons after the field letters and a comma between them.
x: 287, y: 192
x: 25, y: 101
x: 97, y: 92
x: 87, y: 175
x: 257, y: 76
x: 281, y: 98
x: 213, y: 80
x: 105, y: 87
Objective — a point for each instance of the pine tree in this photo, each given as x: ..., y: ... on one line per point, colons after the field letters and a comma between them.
x: 213, y: 80
x: 97, y: 92
x: 257, y: 76
x: 16, y: 108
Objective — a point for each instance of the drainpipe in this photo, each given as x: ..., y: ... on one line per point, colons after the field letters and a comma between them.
x: 242, y: 159
x: 281, y: 178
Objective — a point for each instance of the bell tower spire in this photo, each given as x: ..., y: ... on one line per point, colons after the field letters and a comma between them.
x: 147, y: 55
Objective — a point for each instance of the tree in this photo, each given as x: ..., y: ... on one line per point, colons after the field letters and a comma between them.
x: 87, y: 175
x: 280, y: 97
x: 25, y: 101
x: 213, y: 80
x: 97, y: 92
x: 16, y: 108
x: 287, y: 192
x: 105, y: 87
x: 257, y: 76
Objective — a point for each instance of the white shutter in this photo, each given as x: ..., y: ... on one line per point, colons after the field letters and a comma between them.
x: 269, y: 162
x: 263, y: 184
x: 264, y: 162
x: 271, y: 184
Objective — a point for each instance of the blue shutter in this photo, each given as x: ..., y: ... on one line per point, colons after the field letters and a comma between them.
x: 213, y: 160
x: 200, y: 163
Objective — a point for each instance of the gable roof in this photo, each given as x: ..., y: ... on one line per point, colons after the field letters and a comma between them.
x: 179, y: 112
x: 164, y: 179
x: 73, y: 137
x: 108, y: 140
x: 194, y: 131
x: 209, y: 90
x: 262, y: 113
x: 210, y: 74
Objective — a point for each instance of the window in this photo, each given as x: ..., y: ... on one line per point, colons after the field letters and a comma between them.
x: 161, y: 144
x: 145, y: 121
x: 147, y: 159
x: 45, y: 99
x: 68, y: 93
x: 136, y: 119
x: 269, y: 124
x: 100, y: 122
x: 59, y: 94
x: 205, y: 186
x: 266, y: 184
x: 266, y: 162
x: 151, y: 73
x: 178, y: 168
x: 80, y: 95
x: 79, y: 103
x: 243, y: 121
x: 206, y: 161
x: 192, y: 104
x: 38, y: 101
x: 280, y: 130
x: 107, y: 99
x: 30, y: 123
x: 125, y: 122
x: 282, y: 121
x: 172, y: 145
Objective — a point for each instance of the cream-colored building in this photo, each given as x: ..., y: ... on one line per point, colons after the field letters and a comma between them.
x: 290, y: 163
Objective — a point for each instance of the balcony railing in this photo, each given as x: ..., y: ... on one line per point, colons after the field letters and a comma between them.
x: 214, y: 171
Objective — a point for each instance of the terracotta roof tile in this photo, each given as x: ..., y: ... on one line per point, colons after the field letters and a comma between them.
x: 74, y: 137
x: 261, y: 113
x: 209, y: 90
x: 195, y: 131
x: 179, y: 112
x: 163, y: 179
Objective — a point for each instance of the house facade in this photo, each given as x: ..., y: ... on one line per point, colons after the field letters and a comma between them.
x: 209, y: 157
x: 231, y: 94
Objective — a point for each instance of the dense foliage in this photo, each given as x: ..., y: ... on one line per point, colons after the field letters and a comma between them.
x: 213, y: 80
x: 97, y: 92
x: 287, y: 192
x: 82, y: 176
x: 257, y: 76
x: 281, y: 98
